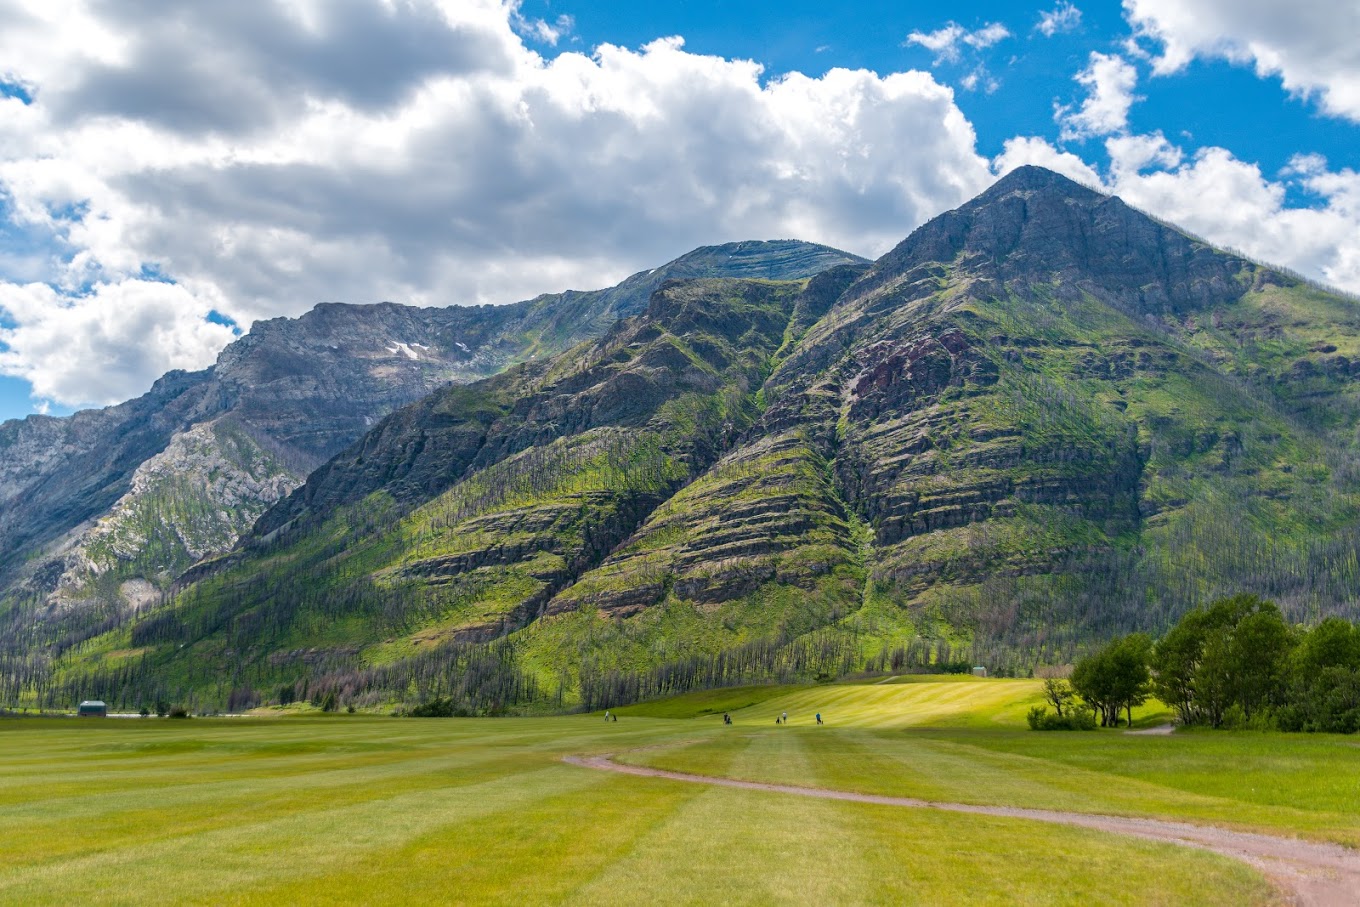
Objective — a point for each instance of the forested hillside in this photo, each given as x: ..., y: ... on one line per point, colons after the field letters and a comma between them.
x: 1042, y: 420
x: 101, y: 511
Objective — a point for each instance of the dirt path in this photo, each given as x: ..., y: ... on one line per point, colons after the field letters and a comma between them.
x: 1307, y: 873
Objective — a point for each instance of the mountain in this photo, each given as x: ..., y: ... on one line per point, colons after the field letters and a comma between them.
x: 1043, y: 418
x: 101, y: 510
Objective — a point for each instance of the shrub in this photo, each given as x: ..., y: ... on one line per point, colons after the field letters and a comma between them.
x: 438, y: 708
x: 178, y: 711
x: 1075, y: 720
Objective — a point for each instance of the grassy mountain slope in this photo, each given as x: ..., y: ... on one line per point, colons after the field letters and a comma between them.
x: 1041, y: 419
x: 101, y: 511
x: 1043, y: 453
x: 457, y: 519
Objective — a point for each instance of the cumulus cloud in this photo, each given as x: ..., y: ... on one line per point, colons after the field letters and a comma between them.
x: 540, y: 29
x: 1062, y: 18
x: 110, y: 338
x: 268, y: 156
x: 1310, y: 46
x: 1109, y: 80
x: 945, y: 42
x: 258, y: 158
x: 1022, y: 150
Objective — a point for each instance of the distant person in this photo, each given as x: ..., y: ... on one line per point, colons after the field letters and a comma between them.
x: 727, y: 719
x: 776, y: 719
x: 616, y: 716
x: 785, y: 716
x: 606, y: 714
x: 819, y: 717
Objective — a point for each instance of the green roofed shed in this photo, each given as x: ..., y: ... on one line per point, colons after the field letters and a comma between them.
x: 93, y: 708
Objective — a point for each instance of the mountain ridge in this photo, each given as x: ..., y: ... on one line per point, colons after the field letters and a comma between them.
x: 77, y: 525
x: 1042, y: 418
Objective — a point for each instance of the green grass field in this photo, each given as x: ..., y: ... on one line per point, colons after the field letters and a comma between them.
x: 372, y: 810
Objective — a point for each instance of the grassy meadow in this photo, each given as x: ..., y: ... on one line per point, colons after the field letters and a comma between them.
x: 373, y: 810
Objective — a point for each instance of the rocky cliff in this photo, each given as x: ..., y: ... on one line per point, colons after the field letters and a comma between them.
x: 101, y: 510
x: 1042, y: 419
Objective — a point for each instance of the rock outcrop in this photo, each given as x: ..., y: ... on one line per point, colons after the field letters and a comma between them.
x: 1042, y: 419
x: 291, y: 393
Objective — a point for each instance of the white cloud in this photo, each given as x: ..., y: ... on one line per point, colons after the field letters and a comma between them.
x: 980, y: 79
x: 268, y: 156
x: 1311, y: 46
x: 1130, y: 154
x: 1109, y: 80
x: 1062, y: 18
x: 986, y: 36
x: 541, y: 30
x: 102, y: 347
x: 944, y: 42
x: 271, y: 155
x: 1022, y: 150
x: 1231, y: 203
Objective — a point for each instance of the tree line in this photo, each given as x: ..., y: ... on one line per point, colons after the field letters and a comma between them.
x: 782, y: 660
x: 1235, y: 663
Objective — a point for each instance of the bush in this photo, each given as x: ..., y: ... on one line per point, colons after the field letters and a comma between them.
x: 438, y: 708
x: 1075, y: 720
x: 178, y: 711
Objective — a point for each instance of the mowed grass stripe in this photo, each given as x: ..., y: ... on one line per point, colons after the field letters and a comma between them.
x: 738, y: 847
x: 900, y: 856
x: 113, y: 821
x: 911, y: 764
x: 948, y: 858
x: 977, y: 774
x: 376, y: 810
x: 61, y: 816
x: 749, y: 847
x: 173, y: 782
x: 986, y: 703
x: 173, y: 755
x: 543, y: 851
x: 1307, y: 771
x: 208, y: 865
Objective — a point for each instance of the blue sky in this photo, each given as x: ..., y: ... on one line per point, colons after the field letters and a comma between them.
x: 169, y: 176
x: 1210, y: 103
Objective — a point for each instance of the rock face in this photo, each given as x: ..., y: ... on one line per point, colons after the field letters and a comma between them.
x: 1042, y: 419
x: 142, y: 490
x: 470, y: 509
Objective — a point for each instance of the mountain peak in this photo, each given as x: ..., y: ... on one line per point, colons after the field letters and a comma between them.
x: 1033, y: 178
x: 778, y: 259
x: 1036, y: 226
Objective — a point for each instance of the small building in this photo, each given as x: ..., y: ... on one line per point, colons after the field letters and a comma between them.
x: 92, y: 708
x: 979, y: 671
